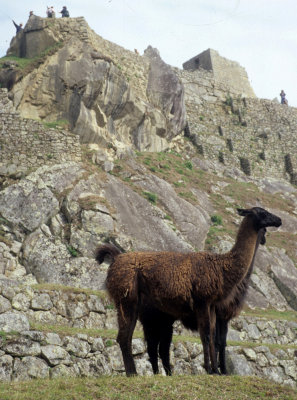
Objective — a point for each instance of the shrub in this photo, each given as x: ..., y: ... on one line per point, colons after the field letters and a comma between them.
x: 216, y: 219
x: 152, y: 197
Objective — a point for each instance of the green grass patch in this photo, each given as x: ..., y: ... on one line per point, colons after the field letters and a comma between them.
x: 216, y: 219
x: 62, y: 123
x: 152, y: 197
x: 69, y: 289
x: 21, y: 62
x: 203, y: 387
x: 72, y: 251
x: 271, y: 314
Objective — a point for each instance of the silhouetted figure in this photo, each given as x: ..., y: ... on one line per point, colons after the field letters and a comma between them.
x: 18, y: 28
x: 31, y: 14
x: 283, y: 98
x: 65, y: 12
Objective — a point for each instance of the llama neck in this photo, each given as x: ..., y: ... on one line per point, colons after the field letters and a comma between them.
x: 250, y: 270
x: 241, y: 255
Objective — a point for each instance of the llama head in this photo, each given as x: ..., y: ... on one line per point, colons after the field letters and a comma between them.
x: 261, y: 217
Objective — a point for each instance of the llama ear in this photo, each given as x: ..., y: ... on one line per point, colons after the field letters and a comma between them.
x: 243, y: 212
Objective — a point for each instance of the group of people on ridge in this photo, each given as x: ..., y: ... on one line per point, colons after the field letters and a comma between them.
x: 50, y: 13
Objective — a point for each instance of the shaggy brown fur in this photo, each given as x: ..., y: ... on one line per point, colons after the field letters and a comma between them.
x: 180, y: 284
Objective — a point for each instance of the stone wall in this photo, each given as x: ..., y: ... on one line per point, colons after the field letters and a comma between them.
x: 225, y: 71
x: 34, y: 353
x: 27, y: 144
x: 240, y: 131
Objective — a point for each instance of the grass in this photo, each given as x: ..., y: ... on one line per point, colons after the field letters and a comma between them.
x: 69, y: 289
x: 271, y: 314
x: 202, y: 387
x: 62, y: 123
x: 151, y: 197
x: 28, y: 64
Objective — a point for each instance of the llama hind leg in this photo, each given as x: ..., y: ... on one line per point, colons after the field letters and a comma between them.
x: 164, y: 348
x: 152, y: 337
x: 127, y: 318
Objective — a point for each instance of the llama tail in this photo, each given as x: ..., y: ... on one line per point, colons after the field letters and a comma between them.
x: 106, y: 250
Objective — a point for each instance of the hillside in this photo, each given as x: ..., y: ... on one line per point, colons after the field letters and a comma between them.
x: 99, y: 144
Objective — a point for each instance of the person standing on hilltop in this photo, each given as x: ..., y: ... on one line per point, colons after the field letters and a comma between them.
x: 19, y: 28
x: 283, y: 98
x: 65, y: 12
x: 50, y: 12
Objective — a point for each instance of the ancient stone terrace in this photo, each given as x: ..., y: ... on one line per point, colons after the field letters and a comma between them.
x: 27, y: 144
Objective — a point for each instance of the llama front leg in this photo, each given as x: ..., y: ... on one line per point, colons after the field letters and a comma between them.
x: 204, y: 329
x: 212, y: 348
x: 222, y: 345
x: 127, y: 317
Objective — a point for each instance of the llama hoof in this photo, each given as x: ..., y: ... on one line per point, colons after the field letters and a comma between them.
x: 129, y: 374
x: 215, y: 372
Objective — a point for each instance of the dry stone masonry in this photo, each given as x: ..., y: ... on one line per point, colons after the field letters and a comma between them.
x: 29, y: 353
x: 27, y: 144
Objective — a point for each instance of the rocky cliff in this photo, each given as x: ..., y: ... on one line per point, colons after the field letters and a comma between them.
x: 101, y: 144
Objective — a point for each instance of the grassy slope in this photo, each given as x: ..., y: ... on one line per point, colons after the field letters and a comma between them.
x: 184, y: 177
x: 158, y: 387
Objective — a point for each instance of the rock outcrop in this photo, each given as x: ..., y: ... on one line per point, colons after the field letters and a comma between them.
x: 79, y: 83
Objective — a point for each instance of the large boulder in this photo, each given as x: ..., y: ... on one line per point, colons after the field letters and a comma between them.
x: 165, y: 91
x: 33, y: 39
x: 28, y: 204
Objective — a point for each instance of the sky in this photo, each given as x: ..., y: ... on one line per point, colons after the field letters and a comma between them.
x: 259, y: 34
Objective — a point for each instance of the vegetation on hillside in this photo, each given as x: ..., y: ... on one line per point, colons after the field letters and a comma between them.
x: 185, y: 177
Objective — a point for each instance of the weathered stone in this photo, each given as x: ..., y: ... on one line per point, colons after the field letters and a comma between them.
x: 237, y: 364
x: 13, y: 321
x: 21, y: 302
x: 28, y: 368
x: 137, y: 346
x: 41, y: 302
x: 6, y: 365
x: 97, y: 344
x: 55, y: 355
x: 95, y: 304
x: 21, y: 348
x: 76, y: 347
x: 53, y: 339
x: 5, y: 305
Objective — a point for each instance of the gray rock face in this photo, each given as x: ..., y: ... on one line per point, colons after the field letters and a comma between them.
x: 90, y: 90
x: 165, y: 91
x: 34, y: 39
x: 137, y: 218
x: 193, y: 222
x: 28, y: 204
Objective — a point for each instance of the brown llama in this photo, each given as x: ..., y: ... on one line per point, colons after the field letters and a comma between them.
x: 158, y: 326
x: 180, y: 284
